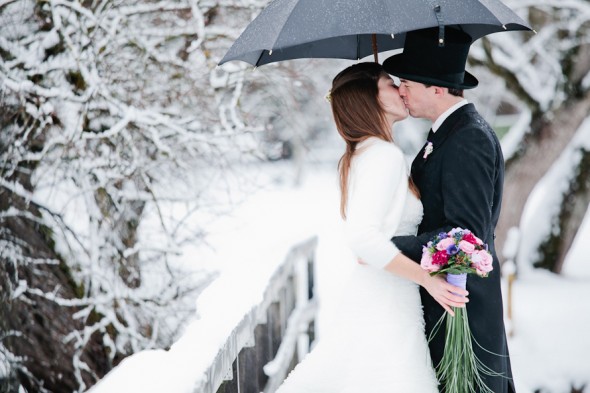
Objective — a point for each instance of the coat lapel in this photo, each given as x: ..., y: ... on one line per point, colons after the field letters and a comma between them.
x: 449, y: 125
x: 437, y: 139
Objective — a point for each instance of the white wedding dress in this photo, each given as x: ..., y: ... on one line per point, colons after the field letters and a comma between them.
x: 376, y: 343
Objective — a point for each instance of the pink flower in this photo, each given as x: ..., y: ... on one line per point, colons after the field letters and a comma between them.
x: 466, y: 247
x: 445, y: 243
x: 482, y: 261
x: 440, y: 258
x: 471, y: 238
x: 426, y: 262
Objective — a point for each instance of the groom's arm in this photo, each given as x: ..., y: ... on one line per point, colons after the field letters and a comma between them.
x: 411, y: 246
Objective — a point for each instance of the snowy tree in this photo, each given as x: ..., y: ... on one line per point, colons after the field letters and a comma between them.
x: 116, y: 128
x: 546, y: 78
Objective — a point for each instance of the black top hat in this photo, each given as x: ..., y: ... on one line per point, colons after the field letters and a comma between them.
x: 425, y: 59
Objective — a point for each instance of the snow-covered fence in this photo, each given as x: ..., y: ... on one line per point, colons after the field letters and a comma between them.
x: 274, y: 335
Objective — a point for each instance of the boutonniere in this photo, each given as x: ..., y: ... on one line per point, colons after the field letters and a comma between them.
x: 427, y: 150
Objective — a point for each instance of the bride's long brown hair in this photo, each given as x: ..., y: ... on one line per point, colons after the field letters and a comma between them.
x: 358, y: 115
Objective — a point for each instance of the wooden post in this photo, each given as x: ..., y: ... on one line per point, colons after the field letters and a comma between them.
x: 509, y: 271
x: 510, y: 252
x: 274, y: 327
x: 263, y: 353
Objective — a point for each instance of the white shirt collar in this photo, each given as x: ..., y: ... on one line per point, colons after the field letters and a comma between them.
x: 436, y: 125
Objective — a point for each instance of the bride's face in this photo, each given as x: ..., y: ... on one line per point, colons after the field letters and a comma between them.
x: 392, y: 103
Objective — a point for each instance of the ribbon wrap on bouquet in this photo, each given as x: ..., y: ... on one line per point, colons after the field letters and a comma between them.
x: 458, y: 280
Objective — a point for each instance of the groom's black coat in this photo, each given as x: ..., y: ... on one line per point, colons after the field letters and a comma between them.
x: 461, y: 186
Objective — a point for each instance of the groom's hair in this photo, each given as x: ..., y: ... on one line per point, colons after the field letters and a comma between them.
x: 456, y: 92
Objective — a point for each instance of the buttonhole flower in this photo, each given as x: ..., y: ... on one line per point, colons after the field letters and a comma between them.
x: 427, y: 150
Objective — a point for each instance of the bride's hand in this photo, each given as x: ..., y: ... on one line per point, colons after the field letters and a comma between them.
x: 445, y: 294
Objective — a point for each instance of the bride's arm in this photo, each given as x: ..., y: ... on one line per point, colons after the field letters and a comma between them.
x: 444, y: 293
x: 377, y: 182
x: 379, y: 179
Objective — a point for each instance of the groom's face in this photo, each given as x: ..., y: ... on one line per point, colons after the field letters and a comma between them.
x: 417, y: 98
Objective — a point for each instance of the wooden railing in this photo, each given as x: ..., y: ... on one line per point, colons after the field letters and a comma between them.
x: 273, y: 337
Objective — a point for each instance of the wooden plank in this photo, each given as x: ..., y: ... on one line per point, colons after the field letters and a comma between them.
x: 248, y: 366
x: 263, y: 353
x: 231, y: 386
x: 274, y: 325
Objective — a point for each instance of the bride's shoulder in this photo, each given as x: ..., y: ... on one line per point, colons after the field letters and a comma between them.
x: 379, y: 149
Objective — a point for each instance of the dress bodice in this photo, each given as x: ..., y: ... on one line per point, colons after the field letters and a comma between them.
x: 411, y: 216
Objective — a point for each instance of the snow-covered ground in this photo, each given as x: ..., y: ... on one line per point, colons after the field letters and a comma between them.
x: 549, y: 346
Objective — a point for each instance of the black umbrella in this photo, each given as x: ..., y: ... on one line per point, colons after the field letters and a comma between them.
x: 353, y: 29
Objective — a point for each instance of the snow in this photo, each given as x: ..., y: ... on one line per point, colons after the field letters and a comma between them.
x: 511, y: 142
x: 543, y: 204
x: 548, y: 347
x: 577, y: 263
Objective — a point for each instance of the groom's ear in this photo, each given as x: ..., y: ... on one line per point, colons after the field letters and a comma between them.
x: 440, y: 91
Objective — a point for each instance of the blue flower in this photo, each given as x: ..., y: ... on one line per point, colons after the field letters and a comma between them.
x: 452, y: 249
x: 443, y: 235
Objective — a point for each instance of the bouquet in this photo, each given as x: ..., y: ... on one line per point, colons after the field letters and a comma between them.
x: 458, y: 253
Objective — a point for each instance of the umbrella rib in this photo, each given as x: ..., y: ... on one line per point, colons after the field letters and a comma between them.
x: 358, y: 46
x: 259, y: 58
x: 296, y: 3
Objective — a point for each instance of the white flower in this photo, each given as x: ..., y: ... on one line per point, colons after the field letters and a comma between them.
x: 427, y: 150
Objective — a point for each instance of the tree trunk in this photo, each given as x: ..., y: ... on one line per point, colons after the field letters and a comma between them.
x: 33, y: 326
x: 542, y: 147
x: 41, y: 324
x: 573, y: 211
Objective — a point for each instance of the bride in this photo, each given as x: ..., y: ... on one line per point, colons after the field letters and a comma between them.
x: 378, y: 343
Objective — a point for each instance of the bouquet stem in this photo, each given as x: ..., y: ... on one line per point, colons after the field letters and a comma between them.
x: 458, y: 253
x: 459, y: 369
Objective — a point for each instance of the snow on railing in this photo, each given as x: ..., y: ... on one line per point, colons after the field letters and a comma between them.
x: 261, y: 315
x: 274, y: 335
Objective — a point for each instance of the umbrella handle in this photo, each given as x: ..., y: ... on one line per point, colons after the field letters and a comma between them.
x: 375, y: 52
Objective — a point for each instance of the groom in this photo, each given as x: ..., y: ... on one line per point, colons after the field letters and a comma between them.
x: 459, y: 173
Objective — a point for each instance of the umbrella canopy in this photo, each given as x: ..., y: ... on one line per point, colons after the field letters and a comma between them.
x: 345, y: 29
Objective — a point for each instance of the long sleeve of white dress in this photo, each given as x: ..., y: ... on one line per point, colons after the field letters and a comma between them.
x: 378, y: 186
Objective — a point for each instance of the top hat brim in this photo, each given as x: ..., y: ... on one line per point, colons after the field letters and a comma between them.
x: 398, y: 65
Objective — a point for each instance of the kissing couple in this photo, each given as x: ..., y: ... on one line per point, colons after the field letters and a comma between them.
x: 391, y: 304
